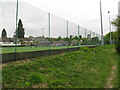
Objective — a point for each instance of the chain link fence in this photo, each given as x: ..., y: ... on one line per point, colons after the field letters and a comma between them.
x: 30, y: 29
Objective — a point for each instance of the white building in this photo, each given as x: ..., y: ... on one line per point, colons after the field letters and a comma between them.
x: 8, y: 44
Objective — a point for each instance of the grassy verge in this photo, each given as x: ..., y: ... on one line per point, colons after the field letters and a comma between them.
x: 112, y: 80
x: 116, y: 81
x: 87, y: 68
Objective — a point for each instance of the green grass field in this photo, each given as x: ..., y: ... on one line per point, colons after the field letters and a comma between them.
x: 32, y: 48
x: 87, y: 68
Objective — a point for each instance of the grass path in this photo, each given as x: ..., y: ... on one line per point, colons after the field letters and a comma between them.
x: 111, y: 77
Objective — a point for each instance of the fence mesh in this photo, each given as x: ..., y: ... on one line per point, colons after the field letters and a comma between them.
x: 39, y: 30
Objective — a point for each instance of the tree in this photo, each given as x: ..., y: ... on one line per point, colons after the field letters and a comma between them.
x: 107, y: 37
x: 116, y: 22
x: 80, y: 37
x: 71, y: 36
x: 75, y: 42
x: 85, y: 41
x: 76, y: 38
x: 20, y: 30
x: 4, y: 34
x: 30, y: 36
x: 59, y: 38
x: 95, y: 40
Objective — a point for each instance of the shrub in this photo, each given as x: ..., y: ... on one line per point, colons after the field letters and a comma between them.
x: 116, y: 22
x: 85, y: 49
x: 118, y: 39
x: 35, y: 78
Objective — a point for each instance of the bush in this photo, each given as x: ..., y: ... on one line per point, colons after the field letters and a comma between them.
x: 118, y: 36
x: 118, y: 47
x: 84, y: 49
x: 35, y: 78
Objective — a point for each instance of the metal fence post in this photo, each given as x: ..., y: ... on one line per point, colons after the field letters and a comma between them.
x: 91, y: 37
x: 90, y: 34
x: 78, y: 37
x: 85, y: 33
x: 49, y: 30
x: 67, y: 35
x: 16, y: 32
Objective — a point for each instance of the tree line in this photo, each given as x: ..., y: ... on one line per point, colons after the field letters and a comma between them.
x: 116, y: 23
x: 20, y: 32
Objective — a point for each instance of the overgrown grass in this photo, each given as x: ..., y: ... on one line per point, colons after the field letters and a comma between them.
x: 116, y: 62
x: 87, y: 68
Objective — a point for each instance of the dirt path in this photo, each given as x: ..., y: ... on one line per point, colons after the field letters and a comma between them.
x: 111, y: 78
x: 112, y: 75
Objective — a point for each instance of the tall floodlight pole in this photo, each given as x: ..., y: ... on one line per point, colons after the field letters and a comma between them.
x: 110, y: 29
x: 78, y: 36
x: 85, y: 33
x: 113, y: 36
x: 16, y: 32
x: 102, y: 39
x: 91, y: 37
x: 42, y: 32
x: 90, y: 34
x: 94, y: 34
x: 67, y: 34
x: 49, y: 29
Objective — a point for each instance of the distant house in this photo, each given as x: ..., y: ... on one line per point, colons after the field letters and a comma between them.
x: 59, y: 43
x: 41, y: 41
x: 88, y: 36
x: 6, y: 40
x: 27, y: 41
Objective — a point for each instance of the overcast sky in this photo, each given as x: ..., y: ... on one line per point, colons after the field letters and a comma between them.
x: 81, y: 12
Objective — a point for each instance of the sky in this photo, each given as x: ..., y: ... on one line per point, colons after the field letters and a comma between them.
x: 82, y: 12
x: 79, y: 12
